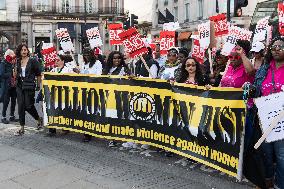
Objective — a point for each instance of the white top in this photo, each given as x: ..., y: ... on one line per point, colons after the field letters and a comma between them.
x: 71, y: 64
x: 96, y: 69
x: 121, y: 73
x: 65, y: 69
x: 168, y: 73
x: 154, y: 71
x: 23, y: 71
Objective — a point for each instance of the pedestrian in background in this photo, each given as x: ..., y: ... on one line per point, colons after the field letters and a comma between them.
x: 27, y: 74
x: 8, y: 85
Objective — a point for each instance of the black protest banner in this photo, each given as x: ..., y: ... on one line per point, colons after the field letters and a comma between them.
x: 205, y: 125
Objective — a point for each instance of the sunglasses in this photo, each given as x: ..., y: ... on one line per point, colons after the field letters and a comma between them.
x: 277, y: 47
x: 173, y: 55
x: 237, y: 57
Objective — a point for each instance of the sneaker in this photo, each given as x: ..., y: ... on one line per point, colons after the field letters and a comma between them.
x: 145, y: 146
x: 13, y: 119
x: 5, y: 121
x: 111, y: 143
x: 128, y: 144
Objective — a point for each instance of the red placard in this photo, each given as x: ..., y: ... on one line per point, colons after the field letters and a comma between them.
x: 133, y: 42
x: 114, y: 30
x: 167, y: 41
x: 281, y: 17
x: 197, y: 52
x: 220, y: 24
x: 49, y: 56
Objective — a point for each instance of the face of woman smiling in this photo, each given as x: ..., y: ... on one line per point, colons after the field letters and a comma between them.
x: 116, y: 60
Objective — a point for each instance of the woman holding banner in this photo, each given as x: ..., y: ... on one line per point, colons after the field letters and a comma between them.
x: 27, y: 73
x: 62, y: 68
x: 116, y: 66
x: 269, y: 79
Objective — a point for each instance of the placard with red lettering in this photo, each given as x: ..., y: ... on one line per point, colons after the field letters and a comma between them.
x: 281, y: 17
x: 235, y: 33
x: 94, y: 37
x: 114, y: 31
x: 133, y: 42
x: 197, y: 52
x: 64, y: 40
x: 167, y: 41
x: 49, y: 54
x: 261, y: 30
x: 204, y: 35
x: 220, y: 24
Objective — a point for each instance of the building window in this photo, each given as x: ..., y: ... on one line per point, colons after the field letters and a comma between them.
x: 91, y: 6
x: 166, y: 2
x: 67, y: 6
x: 3, y: 15
x: 176, y: 13
x: 186, y: 12
x: 41, y: 5
x: 200, y: 9
x: 2, y: 4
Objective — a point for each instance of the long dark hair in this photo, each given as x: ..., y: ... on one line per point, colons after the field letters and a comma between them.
x: 19, y: 48
x: 268, y: 56
x: 199, y: 78
x: 110, y: 62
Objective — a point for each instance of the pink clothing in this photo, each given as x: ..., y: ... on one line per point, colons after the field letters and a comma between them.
x: 235, y: 77
x: 267, y: 84
x: 188, y: 82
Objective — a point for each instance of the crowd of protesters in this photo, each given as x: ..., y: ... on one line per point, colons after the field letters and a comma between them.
x: 258, y: 68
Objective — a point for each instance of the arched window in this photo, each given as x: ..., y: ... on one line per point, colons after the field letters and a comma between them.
x: 66, y: 6
x: 41, y: 5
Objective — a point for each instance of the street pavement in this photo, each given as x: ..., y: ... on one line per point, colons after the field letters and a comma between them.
x: 37, y: 162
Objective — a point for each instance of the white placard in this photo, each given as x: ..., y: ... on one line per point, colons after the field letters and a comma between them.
x: 261, y: 30
x: 235, y: 33
x: 65, y: 40
x: 171, y: 26
x: 94, y: 37
x: 270, y: 107
x: 204, y: 35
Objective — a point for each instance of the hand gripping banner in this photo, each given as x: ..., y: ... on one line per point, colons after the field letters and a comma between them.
x: 204, y: 125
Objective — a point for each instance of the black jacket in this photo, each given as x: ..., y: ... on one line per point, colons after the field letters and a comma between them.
x: 6, y: 73
x: 32, y: 71
x: 140, y: 69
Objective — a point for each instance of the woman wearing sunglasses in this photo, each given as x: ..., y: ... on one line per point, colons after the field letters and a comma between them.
x: 191, y: 73
x: 270, y: 79
x: 240, y: 69
x: 168, y: 72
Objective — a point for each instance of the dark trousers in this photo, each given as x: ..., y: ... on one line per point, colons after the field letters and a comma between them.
x: 9, y: 94
x: 26, y: 101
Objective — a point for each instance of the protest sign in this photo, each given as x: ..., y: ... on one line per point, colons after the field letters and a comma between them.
x: 261, y: 30
x: 171, y: 26
x: 133, y: 42
x: 197, y: 52
x: 204, y: 35
x: 281, y: 17
x: 204, y: 125
x: 64, y: 40
x: 94, y: 37
x: 167, y: 41
x: 114, y: 30
x: 235, y: 33
x: 220, y: 24
x: 49, y: 54
x: 269, y: 107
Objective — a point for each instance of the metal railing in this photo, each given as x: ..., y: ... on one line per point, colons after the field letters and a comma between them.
x: 46, y: 9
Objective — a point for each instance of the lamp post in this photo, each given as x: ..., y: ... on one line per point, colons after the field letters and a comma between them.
x: 228, y: 10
